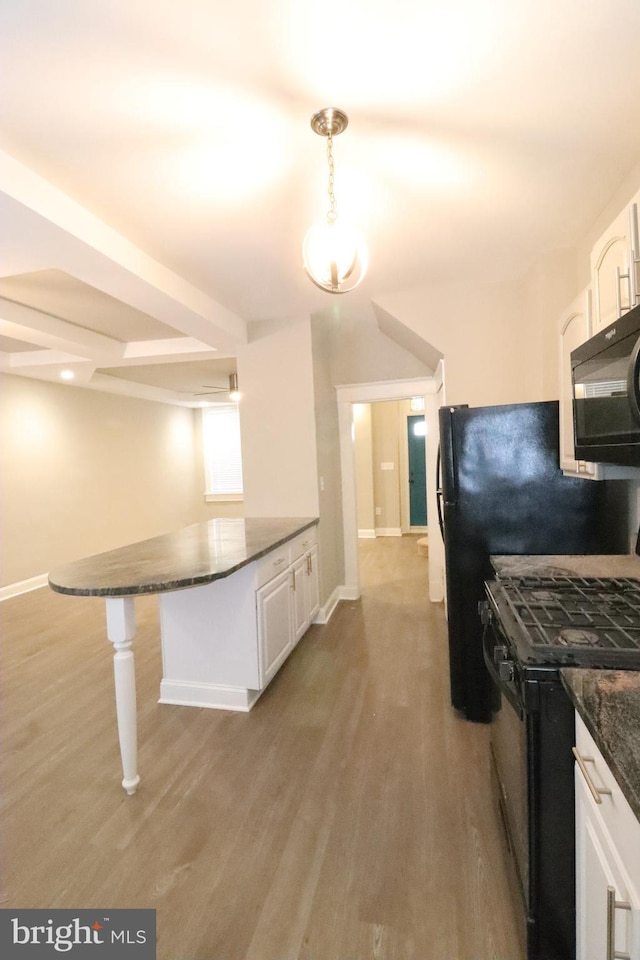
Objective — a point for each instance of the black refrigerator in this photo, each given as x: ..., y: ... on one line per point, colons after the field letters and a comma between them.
x: 501, y: 491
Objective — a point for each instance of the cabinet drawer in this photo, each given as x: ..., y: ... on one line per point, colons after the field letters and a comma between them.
x: 302, y: 543
x: 271, y: 565
x: 614, y: 812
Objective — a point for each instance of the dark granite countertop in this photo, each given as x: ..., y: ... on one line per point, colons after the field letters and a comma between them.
x: 609, y: 703
x: 607, y: 700
x: 600, y: 565
x: 198, y: 554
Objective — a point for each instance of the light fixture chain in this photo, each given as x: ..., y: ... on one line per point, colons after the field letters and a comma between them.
x: 332, y: 214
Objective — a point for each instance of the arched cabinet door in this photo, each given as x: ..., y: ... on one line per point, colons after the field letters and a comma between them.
x: 615, y: 268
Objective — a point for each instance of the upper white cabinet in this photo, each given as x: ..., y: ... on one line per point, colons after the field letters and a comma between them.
x: 615, y: 287
x: 607, y: 860
x: 575, y: 327
x: 615, y: 270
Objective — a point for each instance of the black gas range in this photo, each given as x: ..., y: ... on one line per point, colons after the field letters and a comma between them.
x: 533, y: 626
x: 572, y: 621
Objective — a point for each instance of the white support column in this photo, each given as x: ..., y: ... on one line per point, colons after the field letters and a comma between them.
x: 121, y: 629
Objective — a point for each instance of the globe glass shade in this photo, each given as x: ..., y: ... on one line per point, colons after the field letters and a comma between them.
x: 335, y: 256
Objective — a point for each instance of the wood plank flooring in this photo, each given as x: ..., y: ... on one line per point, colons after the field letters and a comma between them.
x: 347, y: 817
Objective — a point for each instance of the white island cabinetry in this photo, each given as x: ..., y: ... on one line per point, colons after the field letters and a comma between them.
x: 223, y: 642
x: 286, y: 603
x: 607, y: 860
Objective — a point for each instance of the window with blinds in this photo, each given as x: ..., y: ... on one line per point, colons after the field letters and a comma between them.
x: 222, y: 452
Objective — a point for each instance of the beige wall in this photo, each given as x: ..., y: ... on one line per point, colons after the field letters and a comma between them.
x: 381, y: 436
x: 483, y: 334
x: 277, y: 422
x: 363, y: 444
x: 329, y: 483
x: 385, y: 430
x: 84, y: 471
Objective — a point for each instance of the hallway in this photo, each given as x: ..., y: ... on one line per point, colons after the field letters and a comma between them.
x: 347, y: 817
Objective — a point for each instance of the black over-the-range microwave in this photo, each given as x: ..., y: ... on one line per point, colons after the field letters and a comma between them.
x: 605, y: 374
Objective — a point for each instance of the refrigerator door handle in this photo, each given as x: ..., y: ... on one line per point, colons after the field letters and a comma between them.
x: 439, y: 493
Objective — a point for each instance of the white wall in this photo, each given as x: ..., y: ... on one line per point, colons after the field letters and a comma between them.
x: 363, y: 446
x: 489, y: 349
x: 277, y: 422
x: 84, y: 471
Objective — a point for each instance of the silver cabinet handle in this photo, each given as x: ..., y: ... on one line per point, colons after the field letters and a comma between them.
x: 635, y: 253
x: 620, y: 309
x: 305, y: 543
x: 612, y: 906
x: 596, y: 792
x: 277, y: 563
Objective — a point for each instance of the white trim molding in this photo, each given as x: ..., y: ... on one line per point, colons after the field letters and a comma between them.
x: 23, y: 586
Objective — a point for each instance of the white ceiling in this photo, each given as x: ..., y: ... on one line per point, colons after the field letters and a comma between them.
x: 178, y: 134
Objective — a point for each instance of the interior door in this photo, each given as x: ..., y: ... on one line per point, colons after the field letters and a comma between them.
x: 417, y: 472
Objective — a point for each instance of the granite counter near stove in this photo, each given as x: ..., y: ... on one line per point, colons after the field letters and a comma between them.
x: 599, y: 565
x: 609, y: 703
x: 607, y: 700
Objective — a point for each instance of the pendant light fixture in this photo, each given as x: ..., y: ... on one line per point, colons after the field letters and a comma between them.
x: 335, y: 256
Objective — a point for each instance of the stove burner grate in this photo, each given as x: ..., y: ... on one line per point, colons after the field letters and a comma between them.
x: 577, y: 617
x: 570, y: 637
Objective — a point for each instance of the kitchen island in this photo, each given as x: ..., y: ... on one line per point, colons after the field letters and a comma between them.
x: 235, y: 596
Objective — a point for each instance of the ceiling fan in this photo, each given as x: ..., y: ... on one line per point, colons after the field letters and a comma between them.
x: 209, y: 389
x: 232, y: 389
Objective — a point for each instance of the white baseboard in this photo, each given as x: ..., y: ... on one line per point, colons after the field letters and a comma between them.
x: 325, y: 612
x: 349, y: 593
x: 388, y: 532
x: 23, y: 586
x: 366, y: 534
x: 187, y: 693
x: 418, y: 529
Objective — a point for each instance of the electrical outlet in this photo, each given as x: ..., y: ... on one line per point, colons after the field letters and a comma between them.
x: 378, y: 511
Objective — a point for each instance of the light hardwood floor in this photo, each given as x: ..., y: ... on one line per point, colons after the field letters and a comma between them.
x: 347, y: 817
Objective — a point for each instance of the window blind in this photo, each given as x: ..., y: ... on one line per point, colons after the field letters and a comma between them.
x: 222, y: 451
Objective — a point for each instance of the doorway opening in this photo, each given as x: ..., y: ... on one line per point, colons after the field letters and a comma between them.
x: 432, y: 390
x: 417, y: 469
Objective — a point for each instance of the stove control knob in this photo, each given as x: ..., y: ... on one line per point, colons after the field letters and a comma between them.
x: 507, y: 671
x: 500, y: 653
x: 485, y: 612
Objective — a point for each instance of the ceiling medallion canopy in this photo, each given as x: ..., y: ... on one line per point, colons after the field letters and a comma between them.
x: 335, y: 256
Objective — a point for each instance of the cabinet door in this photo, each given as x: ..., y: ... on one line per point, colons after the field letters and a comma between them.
x: 612, y: 270
x: 313, y: 584
x: 604, y: 899
x: 574, y: 330
x: 274, y: 624
x: 299, y: 598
